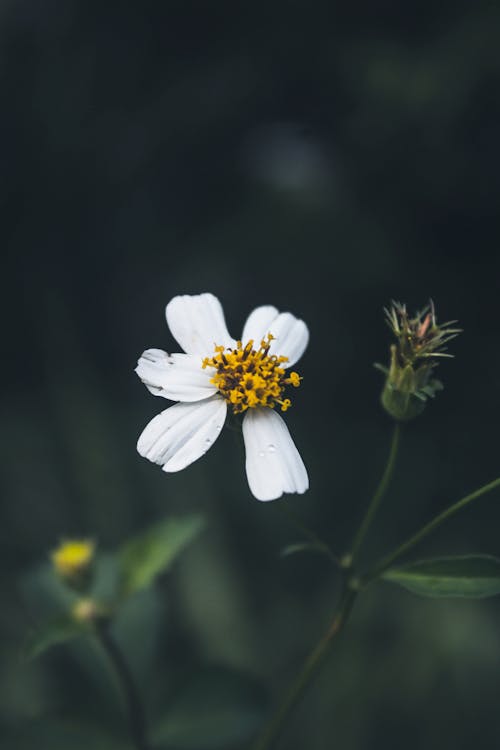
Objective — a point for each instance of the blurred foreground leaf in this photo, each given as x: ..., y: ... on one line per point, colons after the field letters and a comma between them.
x: 44, y: 593
x: 217, y: 709
x: 145, y: 556
x: 470, y: 576
x: 48, y: 734
x: 292, y: 549
x: 59, y: 630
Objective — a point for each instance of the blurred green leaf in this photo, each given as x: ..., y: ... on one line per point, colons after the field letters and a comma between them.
x: 59, y: 630
x: 106, y: 580
x: 217, y: 709
x: 139, y: 614
x: 49, y: 734
x: 44, y: 592
x: 470, y: 576
x: 145, y: 556
x: 292, y: 549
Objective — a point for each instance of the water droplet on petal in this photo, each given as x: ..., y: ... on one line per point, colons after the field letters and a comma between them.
x: 208, y: 441
x: 271, y: 448
x: 261, y: 454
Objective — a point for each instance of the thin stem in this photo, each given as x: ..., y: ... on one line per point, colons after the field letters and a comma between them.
x: 378, y: 495
x: 308, y: 533
x: 273, y: 729
x: 387, y: 561
x: 348, y: 596
x: 133, y: 705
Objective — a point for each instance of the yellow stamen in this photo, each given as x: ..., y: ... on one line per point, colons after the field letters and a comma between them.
x: 249, y: 377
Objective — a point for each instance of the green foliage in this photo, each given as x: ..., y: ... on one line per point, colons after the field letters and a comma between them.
x: 44, y: 592
x: 217, y: 709
x: 59, y: 630
x: 46, y: 734
x: 131, y: 570
x: 142, y: 558
x: 293, y: 549
x: 468, y: 576
x: 145, y: 612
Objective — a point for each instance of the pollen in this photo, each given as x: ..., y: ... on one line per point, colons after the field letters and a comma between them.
x: 73, y: 557
x: 248, y: 377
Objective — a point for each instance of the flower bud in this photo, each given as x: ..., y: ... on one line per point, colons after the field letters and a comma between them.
x: 88, y: 611
x: 420, y: 342
x: 72, y: 561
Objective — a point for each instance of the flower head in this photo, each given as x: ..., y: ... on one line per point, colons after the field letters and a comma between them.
x: 215, y: 372
x: 420, y: 343
x: 248, y: 376
x: 72, y: 560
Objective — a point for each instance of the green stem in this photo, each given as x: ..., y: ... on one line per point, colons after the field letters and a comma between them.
x: 378, y: 495
x: 273, y: 729
x: 387, y: 561
x: 349, y: 593
x: 133, y: 705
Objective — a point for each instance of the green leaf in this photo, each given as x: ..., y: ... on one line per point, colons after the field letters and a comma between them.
x: 217, y: 709
x: 292, y: 549
x: 469, y: 576
x: 49, y: 733
x: 152, y: 552
x: 45, y: 593
x: 60, y: 630
x: 139, y: 614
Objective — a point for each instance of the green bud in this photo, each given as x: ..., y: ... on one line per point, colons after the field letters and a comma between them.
x: 420, y: 343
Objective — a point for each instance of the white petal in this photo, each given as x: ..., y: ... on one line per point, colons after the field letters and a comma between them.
x: 291, y: 334
x: 179, y: 377
x: 273, y: 463
x: 183, y: 433
x: 257, y: 324
x: 197, y: 323
x: 291, y: 337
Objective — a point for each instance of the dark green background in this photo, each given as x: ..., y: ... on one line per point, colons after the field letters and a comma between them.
x: 320, y: 157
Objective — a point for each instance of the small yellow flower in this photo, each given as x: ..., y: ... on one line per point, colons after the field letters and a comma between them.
x: 73, y: 558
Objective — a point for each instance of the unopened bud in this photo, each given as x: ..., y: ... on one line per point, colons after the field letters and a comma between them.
x: 85, y: 611
x: 420, y: 343
x: 90, y: 612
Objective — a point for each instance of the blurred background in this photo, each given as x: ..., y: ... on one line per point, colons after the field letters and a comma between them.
x: 322, y: 158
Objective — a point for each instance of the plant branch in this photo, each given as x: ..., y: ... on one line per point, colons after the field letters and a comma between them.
x: 387, y: 561
x: 378, y: 495
x: 273, y: 729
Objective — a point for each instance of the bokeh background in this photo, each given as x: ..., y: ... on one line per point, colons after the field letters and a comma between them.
x: 320, y: 157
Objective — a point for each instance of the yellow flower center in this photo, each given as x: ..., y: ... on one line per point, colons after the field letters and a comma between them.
x: 249, y: 377
x: 73, y: 557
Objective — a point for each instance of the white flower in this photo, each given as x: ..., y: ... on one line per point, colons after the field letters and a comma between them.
x: 216, y: 371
